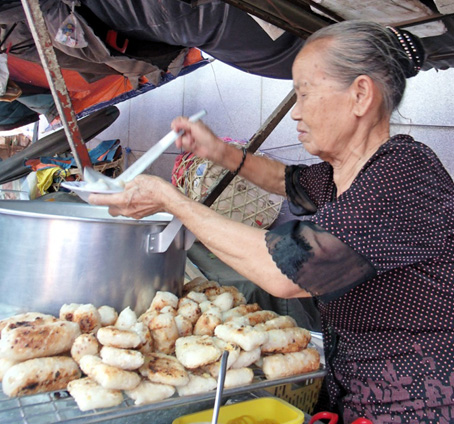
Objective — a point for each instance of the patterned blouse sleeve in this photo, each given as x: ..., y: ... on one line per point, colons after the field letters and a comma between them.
x: 316, y: 260
x: 307, y: 187
x: 298, y: 200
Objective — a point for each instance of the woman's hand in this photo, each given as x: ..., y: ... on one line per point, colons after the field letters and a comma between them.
x: 143, y: 196
x: 199, y: 139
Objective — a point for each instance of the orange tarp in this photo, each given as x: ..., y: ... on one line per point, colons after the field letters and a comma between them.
x: 83, y: 94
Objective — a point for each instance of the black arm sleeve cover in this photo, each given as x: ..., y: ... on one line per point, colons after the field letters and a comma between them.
x: 298, y: 201
x: 316, y: 260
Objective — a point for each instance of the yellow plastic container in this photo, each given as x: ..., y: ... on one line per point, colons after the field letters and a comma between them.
x: 260, y: 409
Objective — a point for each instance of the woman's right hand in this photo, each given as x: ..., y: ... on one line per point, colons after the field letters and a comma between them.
x: 199, y: 139
x: 143, y: 196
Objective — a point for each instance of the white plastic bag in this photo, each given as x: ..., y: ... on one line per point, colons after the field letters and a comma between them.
x: 70, y: 32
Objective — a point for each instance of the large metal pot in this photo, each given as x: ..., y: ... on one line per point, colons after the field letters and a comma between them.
x: 53, y: 253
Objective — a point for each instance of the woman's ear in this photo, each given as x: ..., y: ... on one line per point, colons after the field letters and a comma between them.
x: 365, y: 94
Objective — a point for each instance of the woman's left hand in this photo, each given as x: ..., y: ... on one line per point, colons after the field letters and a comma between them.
x: 143, y: 196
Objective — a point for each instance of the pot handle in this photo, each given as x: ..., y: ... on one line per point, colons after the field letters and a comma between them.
x: 160, y: 242
x: 189, y: 239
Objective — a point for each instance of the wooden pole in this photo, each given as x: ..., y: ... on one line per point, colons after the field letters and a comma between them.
x: 254, y: 143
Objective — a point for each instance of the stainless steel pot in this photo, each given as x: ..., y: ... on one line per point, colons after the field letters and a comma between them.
x: 53, y: 253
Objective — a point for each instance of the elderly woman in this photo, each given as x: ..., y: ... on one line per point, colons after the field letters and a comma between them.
x: 375, y: 240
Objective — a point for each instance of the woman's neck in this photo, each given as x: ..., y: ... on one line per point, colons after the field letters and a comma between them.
x: 352, y: 160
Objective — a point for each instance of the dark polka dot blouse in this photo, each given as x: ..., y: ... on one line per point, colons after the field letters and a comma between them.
x: 389, y: 327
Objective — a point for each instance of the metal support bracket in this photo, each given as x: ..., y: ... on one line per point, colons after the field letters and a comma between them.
x: 160, y: 242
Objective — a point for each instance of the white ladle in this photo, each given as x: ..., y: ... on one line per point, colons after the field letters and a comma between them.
x: 94, y: 177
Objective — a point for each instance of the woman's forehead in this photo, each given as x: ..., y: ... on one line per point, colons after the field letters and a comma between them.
x: 308, y: 69
x: 313, y: 54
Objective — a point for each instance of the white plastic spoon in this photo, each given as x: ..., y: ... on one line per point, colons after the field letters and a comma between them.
x: 92, y: 176
x: 96, y: 182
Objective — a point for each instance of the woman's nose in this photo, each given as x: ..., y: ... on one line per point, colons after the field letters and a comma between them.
x: 295, y: 113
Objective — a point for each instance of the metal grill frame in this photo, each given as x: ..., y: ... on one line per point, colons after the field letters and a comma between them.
x: 60, y: 407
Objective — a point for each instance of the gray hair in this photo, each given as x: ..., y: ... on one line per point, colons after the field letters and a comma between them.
x: 366, y: 48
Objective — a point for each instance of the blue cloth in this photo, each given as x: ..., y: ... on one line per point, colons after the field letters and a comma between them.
x: 103, y: 152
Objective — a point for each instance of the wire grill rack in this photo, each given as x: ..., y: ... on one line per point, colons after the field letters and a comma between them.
x: 60, y: 407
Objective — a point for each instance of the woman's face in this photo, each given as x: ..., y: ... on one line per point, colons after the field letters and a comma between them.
x: 323, y: 109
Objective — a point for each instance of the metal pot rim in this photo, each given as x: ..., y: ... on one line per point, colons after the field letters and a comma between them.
x: 72, y: 211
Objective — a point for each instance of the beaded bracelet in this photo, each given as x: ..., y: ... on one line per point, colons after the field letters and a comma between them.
x: 235, y: 173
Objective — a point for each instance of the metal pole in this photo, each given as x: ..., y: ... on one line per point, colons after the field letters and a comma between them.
x: 56, y: 83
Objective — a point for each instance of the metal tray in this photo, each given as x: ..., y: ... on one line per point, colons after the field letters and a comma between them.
x: 60, y: 407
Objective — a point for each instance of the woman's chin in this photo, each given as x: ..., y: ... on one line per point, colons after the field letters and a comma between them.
x: 308, y: 146
x: 305, y: 140
x: 302, y: 136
